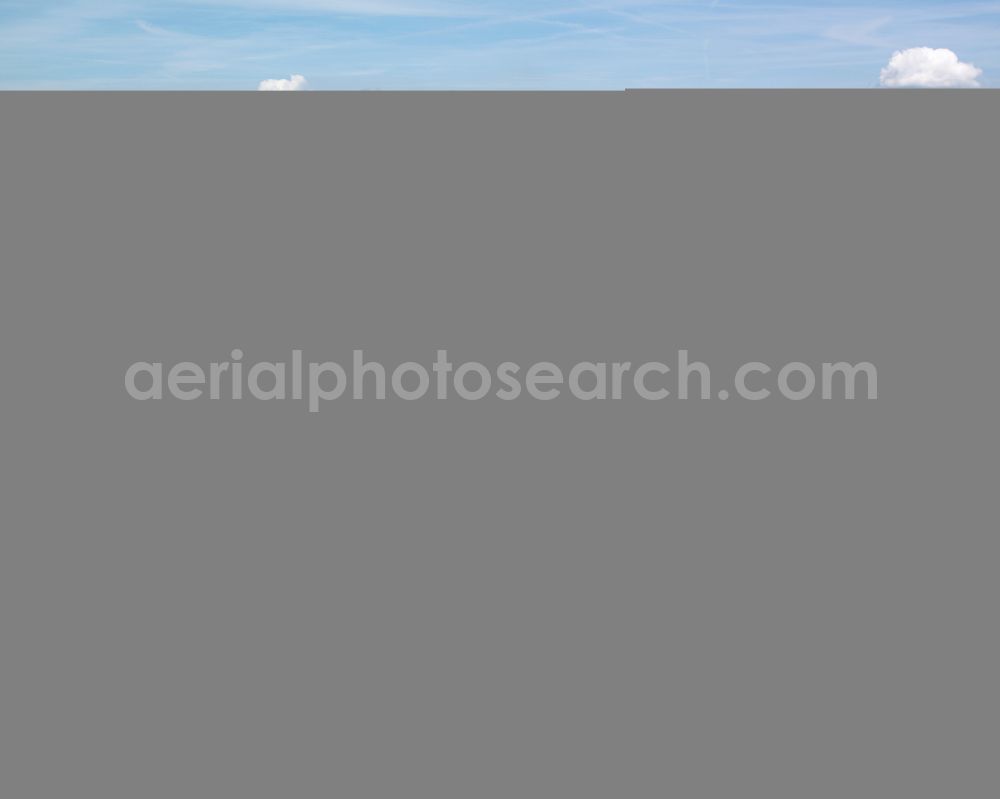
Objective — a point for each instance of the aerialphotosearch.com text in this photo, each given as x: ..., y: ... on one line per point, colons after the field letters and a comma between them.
x: 322, y: 382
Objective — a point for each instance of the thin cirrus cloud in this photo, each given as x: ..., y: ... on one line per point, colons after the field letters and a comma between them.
x: 929, y: 68
x: 373, y: 8
x: 296, y: 83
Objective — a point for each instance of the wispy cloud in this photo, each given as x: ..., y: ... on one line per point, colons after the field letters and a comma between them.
x: 376, y: 8
x: 154, y: 30
x: 868, y: 33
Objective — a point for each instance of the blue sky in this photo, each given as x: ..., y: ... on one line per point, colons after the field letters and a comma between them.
x: 479, y: 44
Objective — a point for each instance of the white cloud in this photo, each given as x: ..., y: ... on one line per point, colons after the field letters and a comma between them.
x: 296, y: 83
x: 929, y: 68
